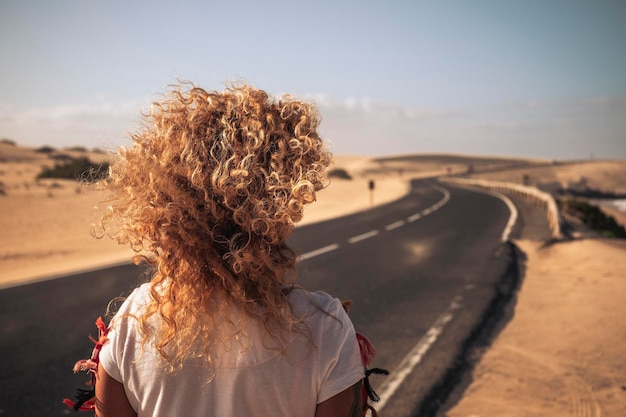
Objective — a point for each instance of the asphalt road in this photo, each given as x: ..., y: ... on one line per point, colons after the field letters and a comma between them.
x: 420, y: 272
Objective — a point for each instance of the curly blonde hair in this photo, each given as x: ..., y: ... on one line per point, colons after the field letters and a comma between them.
x: 208, y: 193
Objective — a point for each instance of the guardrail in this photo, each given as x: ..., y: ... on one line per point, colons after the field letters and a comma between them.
x: 531, y: 194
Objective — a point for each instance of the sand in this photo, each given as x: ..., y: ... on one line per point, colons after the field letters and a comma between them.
x: 560, y: 354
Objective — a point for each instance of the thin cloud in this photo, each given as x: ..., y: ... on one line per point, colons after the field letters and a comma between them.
x: 374, y: 108
x: 102, y: 123
x: 554, y: 129
x: 571, y: 105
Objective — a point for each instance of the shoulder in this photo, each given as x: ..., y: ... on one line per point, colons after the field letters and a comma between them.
x: 305, y: 302
x: 138, y: 297
x: 134, y: 303
x: 319, y: 310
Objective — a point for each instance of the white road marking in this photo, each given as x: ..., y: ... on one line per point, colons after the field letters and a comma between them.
x: 446, y: 195
x: 414, y: 357
x: 512, y: 219
x: 318, y: 252
x: 363, y: 236
x: 438, y: 205
x: 375, y: 232
x: 395, y: 225
x: 506, y: 233
x: 416, y: 354
x: 434, y: 207
x: 424, y: 344
x: 414, y: 217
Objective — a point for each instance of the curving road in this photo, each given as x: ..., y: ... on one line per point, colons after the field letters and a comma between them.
x: 420, y: 271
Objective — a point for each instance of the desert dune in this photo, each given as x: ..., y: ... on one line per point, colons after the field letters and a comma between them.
x: 605, y: 176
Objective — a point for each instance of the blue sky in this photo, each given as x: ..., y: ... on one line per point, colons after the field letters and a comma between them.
x: 520, y: 78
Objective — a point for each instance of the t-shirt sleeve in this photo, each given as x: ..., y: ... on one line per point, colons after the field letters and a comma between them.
x: 111, y: 355
x: 340, y: 358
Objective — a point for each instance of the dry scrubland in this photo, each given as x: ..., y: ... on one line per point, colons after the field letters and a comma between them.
x: 561, y: 352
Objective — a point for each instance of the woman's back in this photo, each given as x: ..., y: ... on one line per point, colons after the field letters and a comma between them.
x: 250, y: 378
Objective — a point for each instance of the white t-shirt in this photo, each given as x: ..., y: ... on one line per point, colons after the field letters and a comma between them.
x: 252, y: 382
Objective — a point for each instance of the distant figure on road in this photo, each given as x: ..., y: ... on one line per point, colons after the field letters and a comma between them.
x: 208, y: 194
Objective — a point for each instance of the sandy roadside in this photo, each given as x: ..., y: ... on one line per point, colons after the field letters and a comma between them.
x: 562, y: 354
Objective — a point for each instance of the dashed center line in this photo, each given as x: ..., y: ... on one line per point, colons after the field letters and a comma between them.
x: 389, y: 227
x: 414, y: 217
x: 416, y: 354
x: 363, y: 236
x: 395, y: 225
x: 319, y: 251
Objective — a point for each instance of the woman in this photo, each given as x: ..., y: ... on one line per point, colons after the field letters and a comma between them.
x: 208, y: 194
